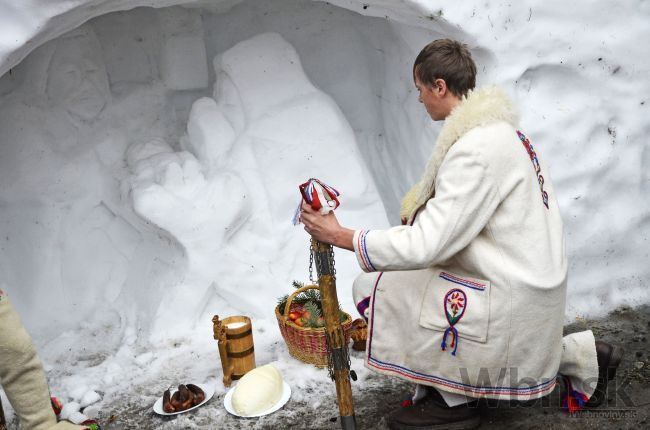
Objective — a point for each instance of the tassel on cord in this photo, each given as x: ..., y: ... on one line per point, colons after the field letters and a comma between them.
x: 454, y: 339
x: 443, y: 345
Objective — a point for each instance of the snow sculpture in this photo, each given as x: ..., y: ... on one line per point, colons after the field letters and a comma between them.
x: 210, y: 134
x: 177, y: 53
x: 229, y: 194
x: 171, y: 190
x: 62, y: 165
x: 76, y: 77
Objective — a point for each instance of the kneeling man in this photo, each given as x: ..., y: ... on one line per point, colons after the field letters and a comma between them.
x: 467, y: 298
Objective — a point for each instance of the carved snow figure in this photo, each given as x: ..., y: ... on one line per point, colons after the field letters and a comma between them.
x: 229, y: 195
x: 61, y: 174
x: 76, y: 79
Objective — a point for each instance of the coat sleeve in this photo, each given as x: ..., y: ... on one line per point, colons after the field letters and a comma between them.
x: 466, y: 197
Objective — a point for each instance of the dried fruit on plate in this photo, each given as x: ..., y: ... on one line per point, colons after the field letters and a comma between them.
x: 184, y: 398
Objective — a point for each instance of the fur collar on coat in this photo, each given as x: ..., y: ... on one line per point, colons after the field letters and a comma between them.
x: 481, y: 107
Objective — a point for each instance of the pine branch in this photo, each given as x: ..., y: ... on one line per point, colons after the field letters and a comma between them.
x: 297, y: 284
x: 282, y: 303
x: 313, y: 309
x: 315, y: 319
x: 312, y: 295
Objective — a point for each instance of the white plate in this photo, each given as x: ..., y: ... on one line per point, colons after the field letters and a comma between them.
x: 286, y: 394
x: 207, y: 389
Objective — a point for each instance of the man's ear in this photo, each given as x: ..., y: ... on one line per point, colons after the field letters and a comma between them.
x: 440, y: 87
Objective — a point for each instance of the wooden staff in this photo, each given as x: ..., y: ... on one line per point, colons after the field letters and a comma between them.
x: 338, y: 350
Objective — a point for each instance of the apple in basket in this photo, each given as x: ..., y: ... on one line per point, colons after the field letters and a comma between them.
x: 306, y: 309
x: 300, y: 322
x: 296, y: 316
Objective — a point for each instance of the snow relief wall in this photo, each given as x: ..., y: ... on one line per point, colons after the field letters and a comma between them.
x: 149, y: 159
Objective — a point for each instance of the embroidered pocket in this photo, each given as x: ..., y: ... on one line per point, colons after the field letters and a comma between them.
x: 457, y: 305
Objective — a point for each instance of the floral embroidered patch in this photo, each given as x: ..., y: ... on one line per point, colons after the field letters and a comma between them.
x: 2, y: 295
x: 455, y: 303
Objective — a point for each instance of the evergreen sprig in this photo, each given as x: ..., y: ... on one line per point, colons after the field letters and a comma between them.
x: 312, y: 295
x: 314, y: 315
x: 310, y: 301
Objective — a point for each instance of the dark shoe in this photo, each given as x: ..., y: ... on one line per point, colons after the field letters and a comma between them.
x: 432, y: 413
x: 609, y: 357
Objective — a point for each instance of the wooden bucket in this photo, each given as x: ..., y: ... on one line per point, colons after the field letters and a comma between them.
x: 236, y: 349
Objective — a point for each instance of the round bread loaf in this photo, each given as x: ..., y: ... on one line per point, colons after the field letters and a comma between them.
x: 257, y: 391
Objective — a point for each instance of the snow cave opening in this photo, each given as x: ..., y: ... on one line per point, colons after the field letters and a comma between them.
x: 155, y: 155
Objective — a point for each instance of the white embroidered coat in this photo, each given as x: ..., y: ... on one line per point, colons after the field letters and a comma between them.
x: 471, y: 296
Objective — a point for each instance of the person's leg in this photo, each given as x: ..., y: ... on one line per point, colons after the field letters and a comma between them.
x: 21, y: 373
x: 455, y: 399
x: 435, y: 409
x: 419, y: 392
x: 3, y: 422
x: 451, y: 399
x: 579, y: 362
x: 67, y: 425
x: 587, y: 365
x: 361, y: 291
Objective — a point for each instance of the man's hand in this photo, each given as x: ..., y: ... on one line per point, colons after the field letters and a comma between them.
x: 325, y: 228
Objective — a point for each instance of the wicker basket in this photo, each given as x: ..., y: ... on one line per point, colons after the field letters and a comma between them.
x: 305, y: 343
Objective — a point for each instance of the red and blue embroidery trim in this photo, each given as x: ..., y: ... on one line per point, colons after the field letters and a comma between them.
x: 573, y: 400
x: 461, y: 281
x: 362, y: 306
x: 455, y: 304
x: 544, y: 387
x: 363, y: 251
x: 533, y: 157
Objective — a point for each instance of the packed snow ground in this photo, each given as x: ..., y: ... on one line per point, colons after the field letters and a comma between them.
x: 149, y: 161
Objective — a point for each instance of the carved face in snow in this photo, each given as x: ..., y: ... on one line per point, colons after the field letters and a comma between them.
x: 77, y: 79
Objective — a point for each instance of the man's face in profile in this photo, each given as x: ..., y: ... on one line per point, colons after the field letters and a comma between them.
x: 77, y: 80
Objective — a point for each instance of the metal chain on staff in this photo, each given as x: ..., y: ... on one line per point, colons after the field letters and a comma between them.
x: 311, y: 261
x: 331, y: 260
x: 338, y: 361
x: 322, y: 268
